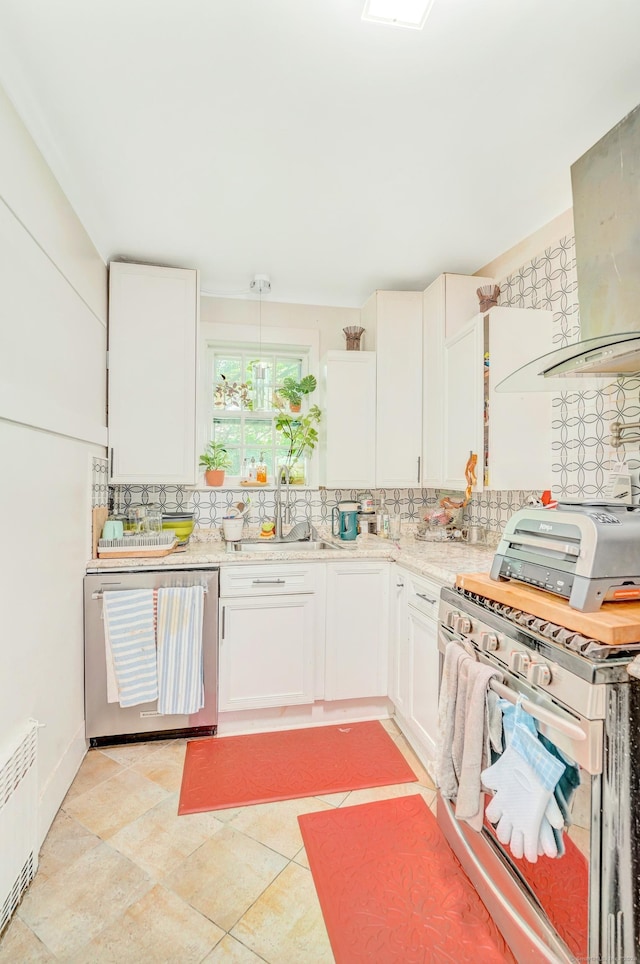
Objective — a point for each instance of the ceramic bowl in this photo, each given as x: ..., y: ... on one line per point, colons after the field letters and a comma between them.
x: 182, y: 524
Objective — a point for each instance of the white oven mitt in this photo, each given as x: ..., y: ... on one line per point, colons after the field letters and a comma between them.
x: 524, y: 779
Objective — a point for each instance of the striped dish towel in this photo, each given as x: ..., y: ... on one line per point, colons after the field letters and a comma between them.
x: 128, y: 626
x: 180, y: 683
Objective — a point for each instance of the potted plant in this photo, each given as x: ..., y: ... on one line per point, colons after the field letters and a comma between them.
x: 230, y: 394
x: 215, y: 459
x: 292, y: 391
x: 301, y: 436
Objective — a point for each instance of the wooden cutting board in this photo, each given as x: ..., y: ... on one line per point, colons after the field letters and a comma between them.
x: 99, y: 516
x: 614, y: 623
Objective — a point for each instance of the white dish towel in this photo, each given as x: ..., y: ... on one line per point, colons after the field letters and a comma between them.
x: 180, y: 677
x: 130, y: 638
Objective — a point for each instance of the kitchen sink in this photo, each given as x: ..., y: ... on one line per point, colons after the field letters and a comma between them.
x: 267, y: 545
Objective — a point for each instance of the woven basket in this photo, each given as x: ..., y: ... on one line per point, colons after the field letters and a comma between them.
x: 488, y: 296
x: 353, y: 334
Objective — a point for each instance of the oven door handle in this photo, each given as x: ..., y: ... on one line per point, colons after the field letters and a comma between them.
x: 572, y: 730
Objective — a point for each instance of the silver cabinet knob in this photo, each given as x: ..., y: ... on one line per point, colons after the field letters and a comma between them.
x: 539, y: 674
x: 519, y: 662
x: 489, y: 642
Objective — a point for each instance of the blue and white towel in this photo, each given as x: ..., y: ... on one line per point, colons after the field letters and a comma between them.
x: 129, y: 635
x: 180, y: 678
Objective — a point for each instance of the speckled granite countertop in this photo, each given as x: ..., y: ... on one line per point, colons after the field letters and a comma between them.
x: 438, y: 560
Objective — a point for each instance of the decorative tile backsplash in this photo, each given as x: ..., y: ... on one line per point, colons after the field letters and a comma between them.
x: 99, y: 481
x: 581, y: 425
x: 488, y: 510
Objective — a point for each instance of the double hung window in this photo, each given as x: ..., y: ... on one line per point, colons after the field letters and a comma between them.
x: 243, y: 382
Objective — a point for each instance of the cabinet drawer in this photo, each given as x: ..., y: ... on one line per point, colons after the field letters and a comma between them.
x: 423, y: 594
x: 268, y: 579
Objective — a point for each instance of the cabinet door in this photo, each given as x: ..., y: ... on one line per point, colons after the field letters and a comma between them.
x: 423, y: 659
x: 520, y: 446
x: 463, y: 404
x: 153, y: 330
x: 399, y: 647
x: 433, y: 311
x: 448, y: 305
x: 357, y: 635
x: 266, y: 651
x: 348, y: 426
x: 399, y: 389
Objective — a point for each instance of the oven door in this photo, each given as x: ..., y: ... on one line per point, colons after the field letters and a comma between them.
x: 541, y: 908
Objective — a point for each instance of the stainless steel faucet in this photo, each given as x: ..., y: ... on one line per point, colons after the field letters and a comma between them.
x: 283, y: 470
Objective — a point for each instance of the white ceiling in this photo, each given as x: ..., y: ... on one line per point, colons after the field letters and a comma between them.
x: 289, y: 137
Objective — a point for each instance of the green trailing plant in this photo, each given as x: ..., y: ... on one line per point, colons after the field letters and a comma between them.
x: 215, y: 456
x: 292, y: 390
x: 299, y: 432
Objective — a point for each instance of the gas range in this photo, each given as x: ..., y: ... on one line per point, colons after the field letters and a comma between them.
x: 585, y: 699
x: 518, y: 639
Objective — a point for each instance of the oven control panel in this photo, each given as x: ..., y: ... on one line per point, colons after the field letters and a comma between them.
x: 525, y: 661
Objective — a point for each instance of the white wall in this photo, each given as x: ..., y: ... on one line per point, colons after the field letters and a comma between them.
x: 328, y: 322
x: 53, y: 297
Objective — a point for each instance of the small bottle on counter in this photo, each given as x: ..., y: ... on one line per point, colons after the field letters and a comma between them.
x: 252, y: 470
x: 244, y: 477
x: 382, y: 520
x: 261, y: 471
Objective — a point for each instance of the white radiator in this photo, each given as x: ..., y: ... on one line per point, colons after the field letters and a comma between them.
x: 18, y: 821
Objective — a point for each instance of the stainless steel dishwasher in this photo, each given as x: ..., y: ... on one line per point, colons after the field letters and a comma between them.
x: 109, y: 722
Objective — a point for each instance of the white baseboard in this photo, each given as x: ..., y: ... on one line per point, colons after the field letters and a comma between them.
x: 55, y: 789
x: 319, y: 713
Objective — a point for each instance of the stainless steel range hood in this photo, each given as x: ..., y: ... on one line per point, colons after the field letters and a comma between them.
x: 606, y: 212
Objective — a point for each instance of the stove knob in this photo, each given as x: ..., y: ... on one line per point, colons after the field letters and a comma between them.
x: 464, y: 625
x: 519, y: 662
x: 452, y: 620
x: 489, y: 642
x: 539, y: 674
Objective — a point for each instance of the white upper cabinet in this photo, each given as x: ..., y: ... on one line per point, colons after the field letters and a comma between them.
x: 348, y: 426
x: 517, y: 426
x: 509, y: 433
x: 153, y: 334
x: 447, y: 306
x: 396, y: 317
x: 462, y: 430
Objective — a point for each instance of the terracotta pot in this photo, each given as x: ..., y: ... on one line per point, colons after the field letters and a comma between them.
x: 214, y: 476
x: 295, y: 408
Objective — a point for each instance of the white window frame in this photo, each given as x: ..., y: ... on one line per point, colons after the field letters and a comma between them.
x: 303, y: 341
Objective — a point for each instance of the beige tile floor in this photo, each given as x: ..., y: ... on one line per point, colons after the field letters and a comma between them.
x: 122, y: 878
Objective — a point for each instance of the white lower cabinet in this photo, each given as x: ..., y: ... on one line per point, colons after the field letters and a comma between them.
x: 357, y: 630
x: 423, y: 673
x: 415, y: 661
x: 267, y: 652
x: 286, y: 640
x: 399, y: 647
x: 269, y: 635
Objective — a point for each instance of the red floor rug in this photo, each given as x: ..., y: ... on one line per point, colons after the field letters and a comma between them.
x: 392, y: 891
x: 235, y: 771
